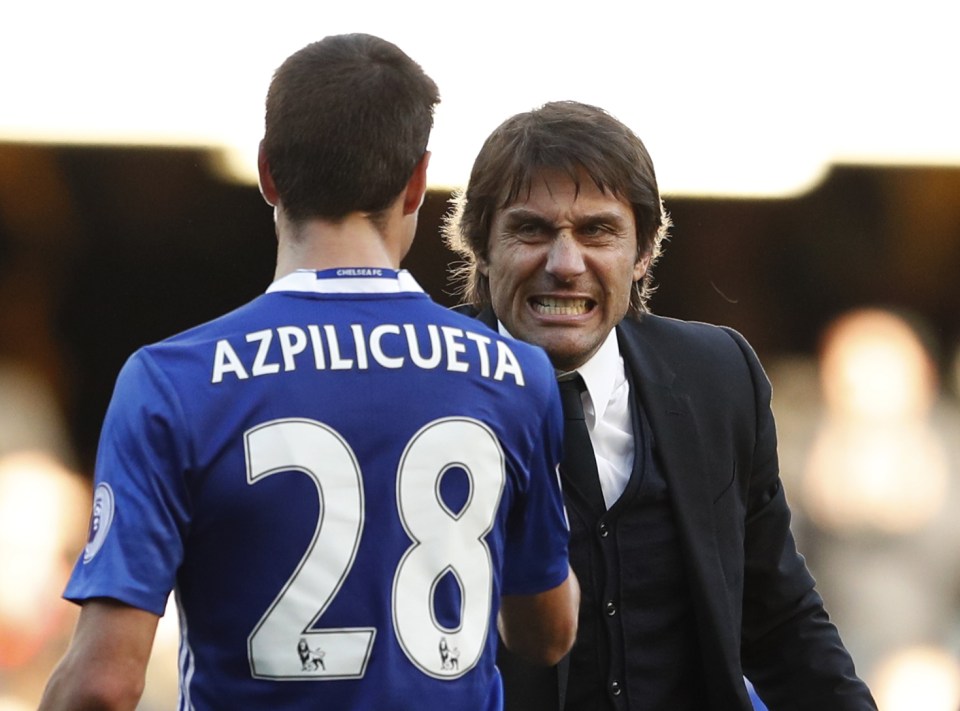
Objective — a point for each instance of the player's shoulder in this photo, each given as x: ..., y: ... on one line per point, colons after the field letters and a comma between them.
x: 238, y: 320
x: 191, y: 346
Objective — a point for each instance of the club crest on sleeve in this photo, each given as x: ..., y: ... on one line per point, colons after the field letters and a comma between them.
x: 100, y: 520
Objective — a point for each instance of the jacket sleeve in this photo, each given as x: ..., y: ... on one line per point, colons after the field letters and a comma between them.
x: 790, y: 649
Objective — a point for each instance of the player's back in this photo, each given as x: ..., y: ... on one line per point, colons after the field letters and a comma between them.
x: 337, y: 473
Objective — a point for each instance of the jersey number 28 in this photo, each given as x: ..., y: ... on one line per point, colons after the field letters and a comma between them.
x: 286, y: 644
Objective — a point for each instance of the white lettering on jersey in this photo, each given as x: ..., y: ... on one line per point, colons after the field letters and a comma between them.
x: 336, y: 362
x: 436, y: 353
x: 260, y: 365
x: 376, y: 347
x: 507, y: 363
x: 360, y: 345
x: 482, y: 343
x: 451, y: 339
x: 319, y: 359
x: 293, y: 341
x: 226, y: 361
x: 386, y: 345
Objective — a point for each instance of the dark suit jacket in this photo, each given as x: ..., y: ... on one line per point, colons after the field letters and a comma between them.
x: 708, y: 403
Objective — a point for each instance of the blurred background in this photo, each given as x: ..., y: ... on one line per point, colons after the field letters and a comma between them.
x: 809, y: 157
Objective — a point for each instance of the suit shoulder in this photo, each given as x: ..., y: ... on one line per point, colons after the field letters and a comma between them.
x: 703, y: 347
x: 466, y: 309
x: 677, y: 330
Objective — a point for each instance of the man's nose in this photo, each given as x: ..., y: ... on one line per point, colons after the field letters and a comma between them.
x: 565, y: 259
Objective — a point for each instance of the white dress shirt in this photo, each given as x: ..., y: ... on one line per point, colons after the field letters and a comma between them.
x: 610, y: 423
x: 606, y: 407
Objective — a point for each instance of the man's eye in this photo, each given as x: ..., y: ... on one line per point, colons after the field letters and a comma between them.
x: 594, y: 230
x: 529, y: 229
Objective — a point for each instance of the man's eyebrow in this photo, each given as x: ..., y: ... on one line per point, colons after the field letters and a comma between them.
x: 516, y: 215
x: 523, y: 217
x: 605, y: 216
x: 523, y: 213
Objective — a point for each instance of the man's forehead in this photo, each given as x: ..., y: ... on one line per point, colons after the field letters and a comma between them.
x: 556, y: 192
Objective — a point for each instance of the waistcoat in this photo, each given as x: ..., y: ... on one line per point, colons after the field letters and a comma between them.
x: 637, y: 642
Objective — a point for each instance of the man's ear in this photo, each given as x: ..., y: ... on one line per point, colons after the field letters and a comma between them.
x: 416, y: 188
x: 482, y: 265
x: 267, y: 187
x: 640, y: 268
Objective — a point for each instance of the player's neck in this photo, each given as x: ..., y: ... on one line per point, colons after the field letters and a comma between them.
x: 354, y: 241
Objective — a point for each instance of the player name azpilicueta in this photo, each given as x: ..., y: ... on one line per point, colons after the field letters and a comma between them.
x: 386, y: 345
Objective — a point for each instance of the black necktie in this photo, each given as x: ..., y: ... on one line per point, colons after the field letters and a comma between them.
x: 579, y: 463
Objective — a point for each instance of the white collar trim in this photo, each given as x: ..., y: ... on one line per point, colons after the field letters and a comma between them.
x: 348, y: 280
x: 602, y: 373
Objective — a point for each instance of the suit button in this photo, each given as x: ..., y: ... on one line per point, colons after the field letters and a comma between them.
x: 604, y: 530
x: 611, y: 608
x: 615, y: 688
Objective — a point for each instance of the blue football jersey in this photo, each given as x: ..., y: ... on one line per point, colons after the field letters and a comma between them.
x: 338, y: 480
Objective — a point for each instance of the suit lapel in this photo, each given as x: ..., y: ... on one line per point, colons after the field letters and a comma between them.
x: 485, y: 316
x: 677, y: 442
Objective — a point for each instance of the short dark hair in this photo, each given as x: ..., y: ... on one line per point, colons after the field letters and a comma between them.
x: 347, y: 120
x: 566, y: 136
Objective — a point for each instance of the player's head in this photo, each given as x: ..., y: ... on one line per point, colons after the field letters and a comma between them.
x: 347, y: 121
x: 576, y: 139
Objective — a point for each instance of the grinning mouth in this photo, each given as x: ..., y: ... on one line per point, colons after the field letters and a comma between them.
x: 553, y: 306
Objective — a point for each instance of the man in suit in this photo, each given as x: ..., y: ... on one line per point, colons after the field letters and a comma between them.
x: 680, y: 531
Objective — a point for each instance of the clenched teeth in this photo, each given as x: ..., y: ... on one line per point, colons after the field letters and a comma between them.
x: 560, y: 307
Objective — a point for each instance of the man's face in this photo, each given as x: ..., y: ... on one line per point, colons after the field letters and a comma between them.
x: 561, y: 266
